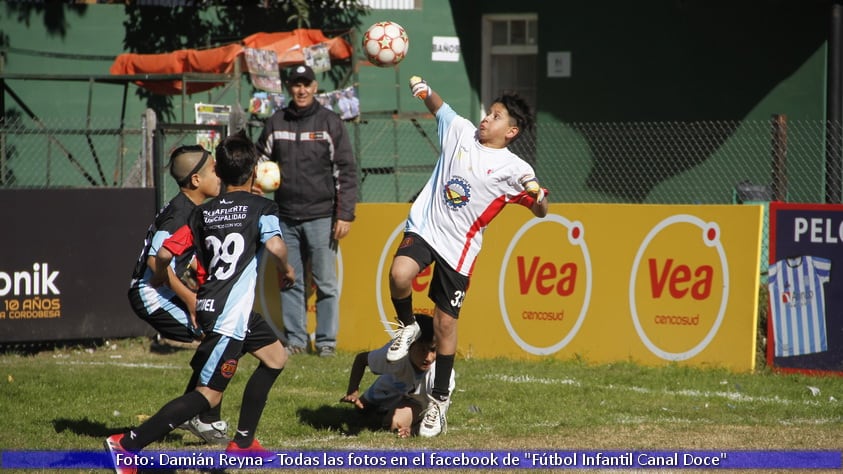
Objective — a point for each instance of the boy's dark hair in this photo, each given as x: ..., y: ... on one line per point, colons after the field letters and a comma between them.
x: 426, y: 325
x: 519, y: 110
x: 236, y: 159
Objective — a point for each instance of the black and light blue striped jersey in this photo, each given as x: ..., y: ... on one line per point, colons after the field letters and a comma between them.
x: 230, y: 232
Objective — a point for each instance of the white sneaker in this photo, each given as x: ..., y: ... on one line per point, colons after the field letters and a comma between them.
x: 211, y: 433
x: 403, y: 337
x: 434, y: 421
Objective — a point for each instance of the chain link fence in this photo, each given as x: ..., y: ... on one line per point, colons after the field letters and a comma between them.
x: 717, y: 162
x: 66, y: 152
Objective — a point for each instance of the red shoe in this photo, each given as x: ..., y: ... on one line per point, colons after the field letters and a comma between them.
x: 113, y: 448
x: 254, y: 450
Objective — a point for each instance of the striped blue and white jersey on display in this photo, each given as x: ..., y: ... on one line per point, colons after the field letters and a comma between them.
x: 797, y: 304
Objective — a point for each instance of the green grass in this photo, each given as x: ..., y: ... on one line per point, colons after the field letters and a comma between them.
x: 72, y: 398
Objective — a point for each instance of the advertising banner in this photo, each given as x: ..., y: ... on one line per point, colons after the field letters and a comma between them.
x: 606, y: 282
x: 805, y: 322
x: 66, y: 260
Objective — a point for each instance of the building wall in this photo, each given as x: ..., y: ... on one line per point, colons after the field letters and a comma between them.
x: 656, y: 61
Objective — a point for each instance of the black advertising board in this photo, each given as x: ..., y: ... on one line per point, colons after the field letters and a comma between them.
x: 66, y: 260
x: 805, y: 284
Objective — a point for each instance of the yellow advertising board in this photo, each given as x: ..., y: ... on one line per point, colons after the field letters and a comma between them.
x: 606, y: 282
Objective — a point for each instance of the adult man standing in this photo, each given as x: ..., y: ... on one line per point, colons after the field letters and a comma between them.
x: 316, y: 204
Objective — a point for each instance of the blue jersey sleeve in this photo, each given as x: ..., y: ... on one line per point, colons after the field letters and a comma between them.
x: 444, y: 116
x: 269, y: 226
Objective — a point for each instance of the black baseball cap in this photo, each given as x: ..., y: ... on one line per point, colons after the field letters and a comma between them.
x: 301, y: 73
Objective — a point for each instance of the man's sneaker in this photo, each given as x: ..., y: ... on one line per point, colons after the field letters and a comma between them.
x: 254, y: 450
x: 434, y: 421
x: 113, y: 448
x: 296, y: 350
x: 326, y: 351
x: 211, y: 433
x: 403, y: 337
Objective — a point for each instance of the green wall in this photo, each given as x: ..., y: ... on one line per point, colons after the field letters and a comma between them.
x: 655, y: 61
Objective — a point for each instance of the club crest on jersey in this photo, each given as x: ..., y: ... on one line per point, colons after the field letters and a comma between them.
x: 228, y: 368
x: 457, y: 192
x: 408, y: 241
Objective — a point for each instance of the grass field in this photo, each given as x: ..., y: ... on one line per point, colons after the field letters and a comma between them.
x: 71, y: 398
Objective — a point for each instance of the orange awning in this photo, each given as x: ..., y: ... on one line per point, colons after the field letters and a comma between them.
x: 288, y: 46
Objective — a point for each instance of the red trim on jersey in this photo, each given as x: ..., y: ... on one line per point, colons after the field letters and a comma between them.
x: 180, y: 242
x: 201, y: 273
x: 527, y: 200
x: 483, y: 220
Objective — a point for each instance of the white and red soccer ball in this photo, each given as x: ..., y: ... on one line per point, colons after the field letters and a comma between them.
x: 268, y: 176
x: 385, y: 43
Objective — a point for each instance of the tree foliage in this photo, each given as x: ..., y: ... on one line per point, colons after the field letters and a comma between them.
x: 215, y: 23
x: 199, y: 24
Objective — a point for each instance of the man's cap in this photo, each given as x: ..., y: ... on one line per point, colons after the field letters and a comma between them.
x: 301, y: 73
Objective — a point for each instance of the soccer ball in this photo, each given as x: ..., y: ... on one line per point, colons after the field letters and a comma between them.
x: 385, y: 43
x: 268, y: 176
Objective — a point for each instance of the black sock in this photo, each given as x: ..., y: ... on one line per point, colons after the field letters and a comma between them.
x: 254, y: 399
x: 167, y: 419
x: 404, y: 309
x: 212, y: 414
x: 442, y: 377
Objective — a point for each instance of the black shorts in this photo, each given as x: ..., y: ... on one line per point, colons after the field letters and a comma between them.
x: 218, y: 356
x: 447, y: 286
x: 162, y: 320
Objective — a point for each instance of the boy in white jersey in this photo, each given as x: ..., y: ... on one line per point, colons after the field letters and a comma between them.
x: 475, y: 177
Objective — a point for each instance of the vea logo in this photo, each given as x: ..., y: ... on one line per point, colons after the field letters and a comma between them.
x: 679, y: 287
x: 40, y: 281
x: 420, y: 284
x: 545, y: 284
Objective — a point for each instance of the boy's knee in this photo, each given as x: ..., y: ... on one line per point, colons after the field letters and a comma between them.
x: 214, y: 397
x: 273, y: 356
x: 278, y: 359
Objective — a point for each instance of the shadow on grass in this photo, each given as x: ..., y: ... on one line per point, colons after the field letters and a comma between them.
x: 86, y: 427
x: 344, y: 420
x: 95, y: 429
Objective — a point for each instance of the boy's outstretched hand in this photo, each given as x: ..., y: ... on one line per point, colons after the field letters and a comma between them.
x: 419, y: 87
x: 354, y: 399
x: 532, y: 187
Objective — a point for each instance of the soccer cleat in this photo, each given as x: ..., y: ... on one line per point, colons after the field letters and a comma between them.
x: 434, y: 421
x: 113, y: 448
x: 254, y: 450
x: 212, y: 433
x: 403, y: 337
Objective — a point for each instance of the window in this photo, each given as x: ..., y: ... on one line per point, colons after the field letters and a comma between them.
x: 514, y: 32
x: 510, y: 51
x: 393, y: 4
x: 509, y: 64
